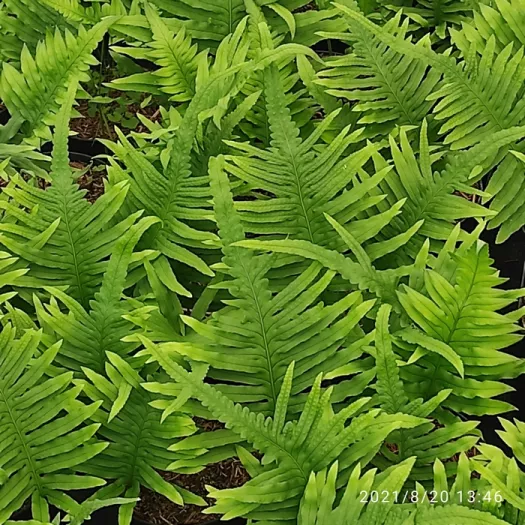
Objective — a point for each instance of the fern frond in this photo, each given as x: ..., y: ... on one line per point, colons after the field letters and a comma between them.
x: 300, y: 447
x: 430, y: 185
x: 26, y: 22
x: 135, y: 464
x: 504, y: 20
x: 473, y: 106
x: 88, y: 335
x: 175, y: 54
x: 44, y: 438
x: 459, y: 328
x: 253, y: 341
x: 388, y: 88
x: 425, y: 443
x: 34, y: 93
x: 63, y: 238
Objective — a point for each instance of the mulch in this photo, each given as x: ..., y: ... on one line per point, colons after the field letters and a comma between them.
x: 91, y: 128
x: 158, y: 510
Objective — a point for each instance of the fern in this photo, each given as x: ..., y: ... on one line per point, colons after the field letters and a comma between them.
x: 176, y: 195
x: 387, y: 88
x: 503, y: 20
x: 299, y: 447
x: 176, y: 55
x: 64, y: 239
x: 467, y: 83
x: 430, y: 185
x: 459, y: 336
x: 253, y: 342
x: 42, y: 423
x: 425, y: 443
x: 34, y: 93
x: 87, y: 336
x: 26, y: 22
x: 134, y: 465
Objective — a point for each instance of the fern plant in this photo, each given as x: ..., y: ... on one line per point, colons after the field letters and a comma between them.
x: 63, y: 238
x: 455, y: 306
x: 292, y: 450
x: 45, y: 430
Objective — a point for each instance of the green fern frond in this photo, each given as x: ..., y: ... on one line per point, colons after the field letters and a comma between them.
x: 388, y: 88
x: 472, y: 106
x: 34, y: 93
x: 430, y: 180
x: 44, y: 439
x: 176, y: 57
x: 309, y: 444
x: 460, y: 332
x: 507, y: 188
x: 425, y: 443
x: 502, y: 19
x: 252, y: 342
x: 59, y: 235
x: 135, y: 464
x: 88, y: 335
x: 26, y: 22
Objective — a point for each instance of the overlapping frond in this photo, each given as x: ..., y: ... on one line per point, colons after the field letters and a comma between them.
x: 87, y: 335
x: 176, y: 195
x: 26, y: 22
x: 425, y: 443
x: 309, y: 444
x: 386, y: 87
x: 502, y: 19
x: 434, y: 185
x: 42, y: 423
x: 59, y: 235
x: 472, y: 104
x: 176, y: 56
x: 457, y: 334
x: 253, y: 341
x: 135, y: 463
x: 34, y: 93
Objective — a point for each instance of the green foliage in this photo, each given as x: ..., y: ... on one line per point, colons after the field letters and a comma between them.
x: 459, y: 331
x: 44, y: 435
x: 290, y: 247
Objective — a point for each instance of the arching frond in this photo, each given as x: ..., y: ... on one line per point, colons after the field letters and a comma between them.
x: 387, y: 87
x: 293, y: 450
x: 59, y: 235
x: 134, y: 464
x: 34, y: 93
x: 459, y: 336
x: 252, y: 342
x: 44, y: 438
x: 87, y: 335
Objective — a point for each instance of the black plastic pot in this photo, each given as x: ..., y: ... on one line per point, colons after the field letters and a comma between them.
x: 89, y: 148
x: 4, y: 116
x: 330, y: 47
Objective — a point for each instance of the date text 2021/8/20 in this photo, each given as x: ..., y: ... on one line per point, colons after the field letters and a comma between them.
x: 433, y: 496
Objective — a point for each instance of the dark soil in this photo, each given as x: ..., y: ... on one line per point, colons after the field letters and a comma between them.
x: 90, y: 128
x: 92, y: 180
x: 308, y: 7
x: 158, y: 510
